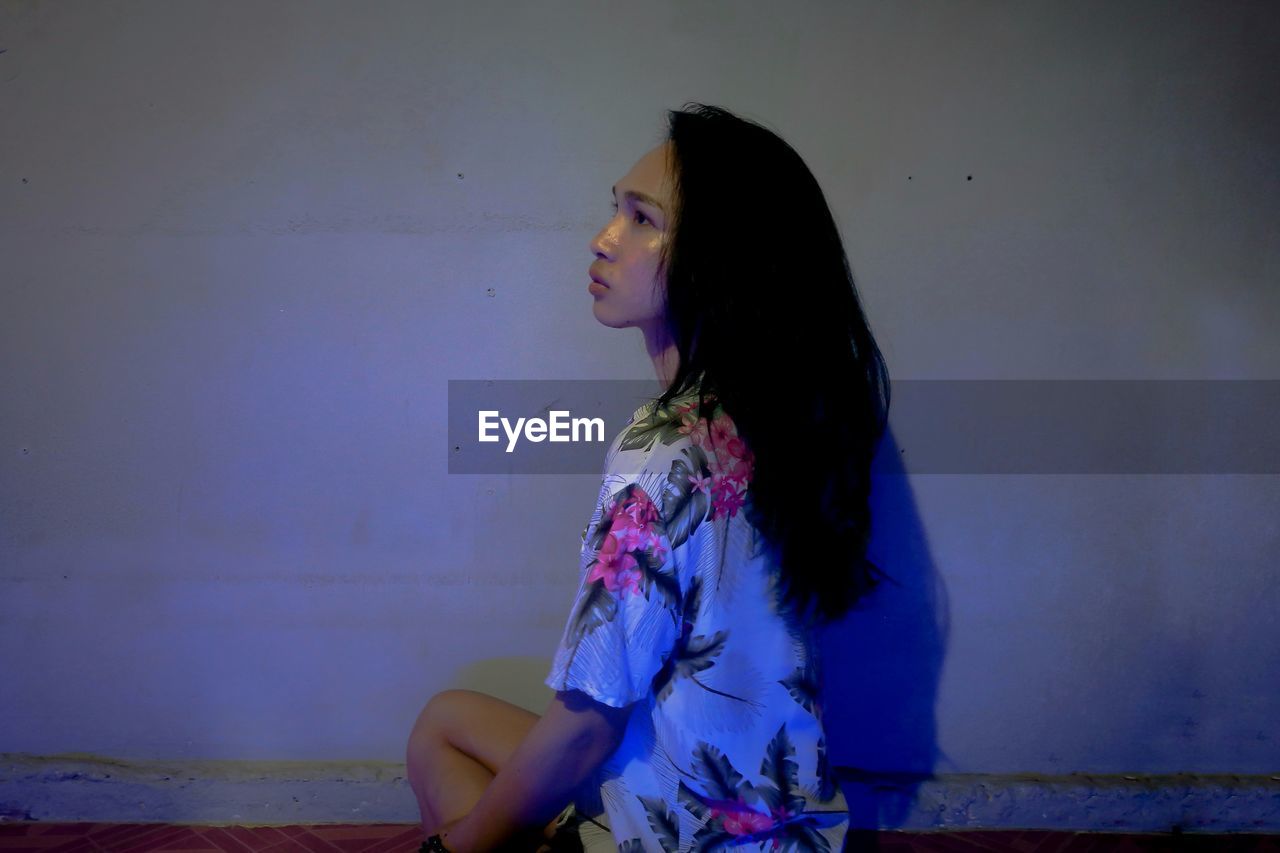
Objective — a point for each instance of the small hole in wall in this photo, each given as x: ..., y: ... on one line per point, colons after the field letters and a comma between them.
x: 459, y: 176
x: 490, y: 291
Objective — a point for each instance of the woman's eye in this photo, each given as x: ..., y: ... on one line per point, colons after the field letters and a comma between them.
x: 639, y: 214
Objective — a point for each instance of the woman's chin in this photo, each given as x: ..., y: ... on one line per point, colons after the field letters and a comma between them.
x: 605, y: 318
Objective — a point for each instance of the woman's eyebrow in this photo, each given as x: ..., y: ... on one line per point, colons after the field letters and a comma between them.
x: 636, y: 195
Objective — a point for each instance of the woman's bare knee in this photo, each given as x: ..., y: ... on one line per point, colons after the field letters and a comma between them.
x: 432, y: 719
x: 482, y: 726
x: 430, y: 733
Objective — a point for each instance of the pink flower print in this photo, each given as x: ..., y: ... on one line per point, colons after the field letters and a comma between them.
x: 638, y: 509
x: 781, y: 815
x: 656, y: 547
x: 701, y: 484
x: 726, y: 467
x: 637, y: 519
x: 628, y: 536
x: 742, y: 820
x: 740, y: 467
x: 728, y: 453
x: 722, y: 430
x: 643, y: 539
x: 717, y: 466
x: 633, y: 528
x: 727, y: 496
x: 695, y: 429
x: 616, y: 567
x: 684, y: 410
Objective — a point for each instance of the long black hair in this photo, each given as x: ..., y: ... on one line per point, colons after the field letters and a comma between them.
x: 763, y: 310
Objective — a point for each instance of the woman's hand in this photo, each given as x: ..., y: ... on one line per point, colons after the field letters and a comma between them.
x: 548, y: 832
x: 543, y: 840
x: 444, y: 831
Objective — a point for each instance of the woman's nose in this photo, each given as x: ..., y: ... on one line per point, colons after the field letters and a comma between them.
x: 602, y: 243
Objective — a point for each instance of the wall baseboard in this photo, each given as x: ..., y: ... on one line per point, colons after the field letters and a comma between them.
x: 257, y: 793
x: 1182, y: 802
x: 74, y: 787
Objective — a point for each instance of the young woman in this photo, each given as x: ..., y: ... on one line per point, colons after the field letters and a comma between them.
x: 732, y: 522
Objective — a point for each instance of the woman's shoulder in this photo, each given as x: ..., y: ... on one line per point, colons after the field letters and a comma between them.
x: 688, y: 457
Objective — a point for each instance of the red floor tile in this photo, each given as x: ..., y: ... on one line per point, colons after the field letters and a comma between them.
x: 406, y: 838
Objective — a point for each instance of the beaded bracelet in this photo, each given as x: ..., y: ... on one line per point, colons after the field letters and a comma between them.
x: 434, y: 844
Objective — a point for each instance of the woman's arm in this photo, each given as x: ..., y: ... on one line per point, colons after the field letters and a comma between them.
x: 564, y: 747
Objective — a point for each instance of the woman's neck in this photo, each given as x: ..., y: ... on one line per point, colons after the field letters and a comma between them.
x: 663, y: 353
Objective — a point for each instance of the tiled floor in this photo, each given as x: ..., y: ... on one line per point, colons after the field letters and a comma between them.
x: 149, y: 837
x: 402, y: 838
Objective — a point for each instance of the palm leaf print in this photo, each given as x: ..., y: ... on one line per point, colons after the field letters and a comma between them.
x: 689, y: 611
x: 686, y: 506
x: 606, y: 515
x: 658, y: 424
x: 692, y: 804
x: 780, y: 768
x: 662, y: 822
x: 598, y: 535
x: 690, y: 801
x: 716, y: 772
x: 700, y: 653
x: 631, y: 845
x: 710, y: 835
x: 665, y: 583
x: 691, y: 655
x: 710, y: 838
x: 596, y: 606
x: 734, y: 811
x: 803, y: 685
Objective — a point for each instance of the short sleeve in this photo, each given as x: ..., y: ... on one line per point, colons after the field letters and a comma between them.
x: 625, y: 618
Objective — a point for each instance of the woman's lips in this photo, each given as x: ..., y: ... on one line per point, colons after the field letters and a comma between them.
x: 596, y: 287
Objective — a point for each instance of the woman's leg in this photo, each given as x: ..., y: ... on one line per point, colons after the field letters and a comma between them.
x: 459, y: 742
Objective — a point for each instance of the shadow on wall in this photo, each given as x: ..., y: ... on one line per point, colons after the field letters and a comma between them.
x: 882, y: 663
x: 516, y: 679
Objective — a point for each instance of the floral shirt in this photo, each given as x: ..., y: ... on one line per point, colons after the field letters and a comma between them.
x: 725, y: 749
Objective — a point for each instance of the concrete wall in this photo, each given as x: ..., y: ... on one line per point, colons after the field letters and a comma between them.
x: 246, y: 245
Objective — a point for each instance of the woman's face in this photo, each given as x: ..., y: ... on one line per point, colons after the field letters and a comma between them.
x: 633, y: 292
